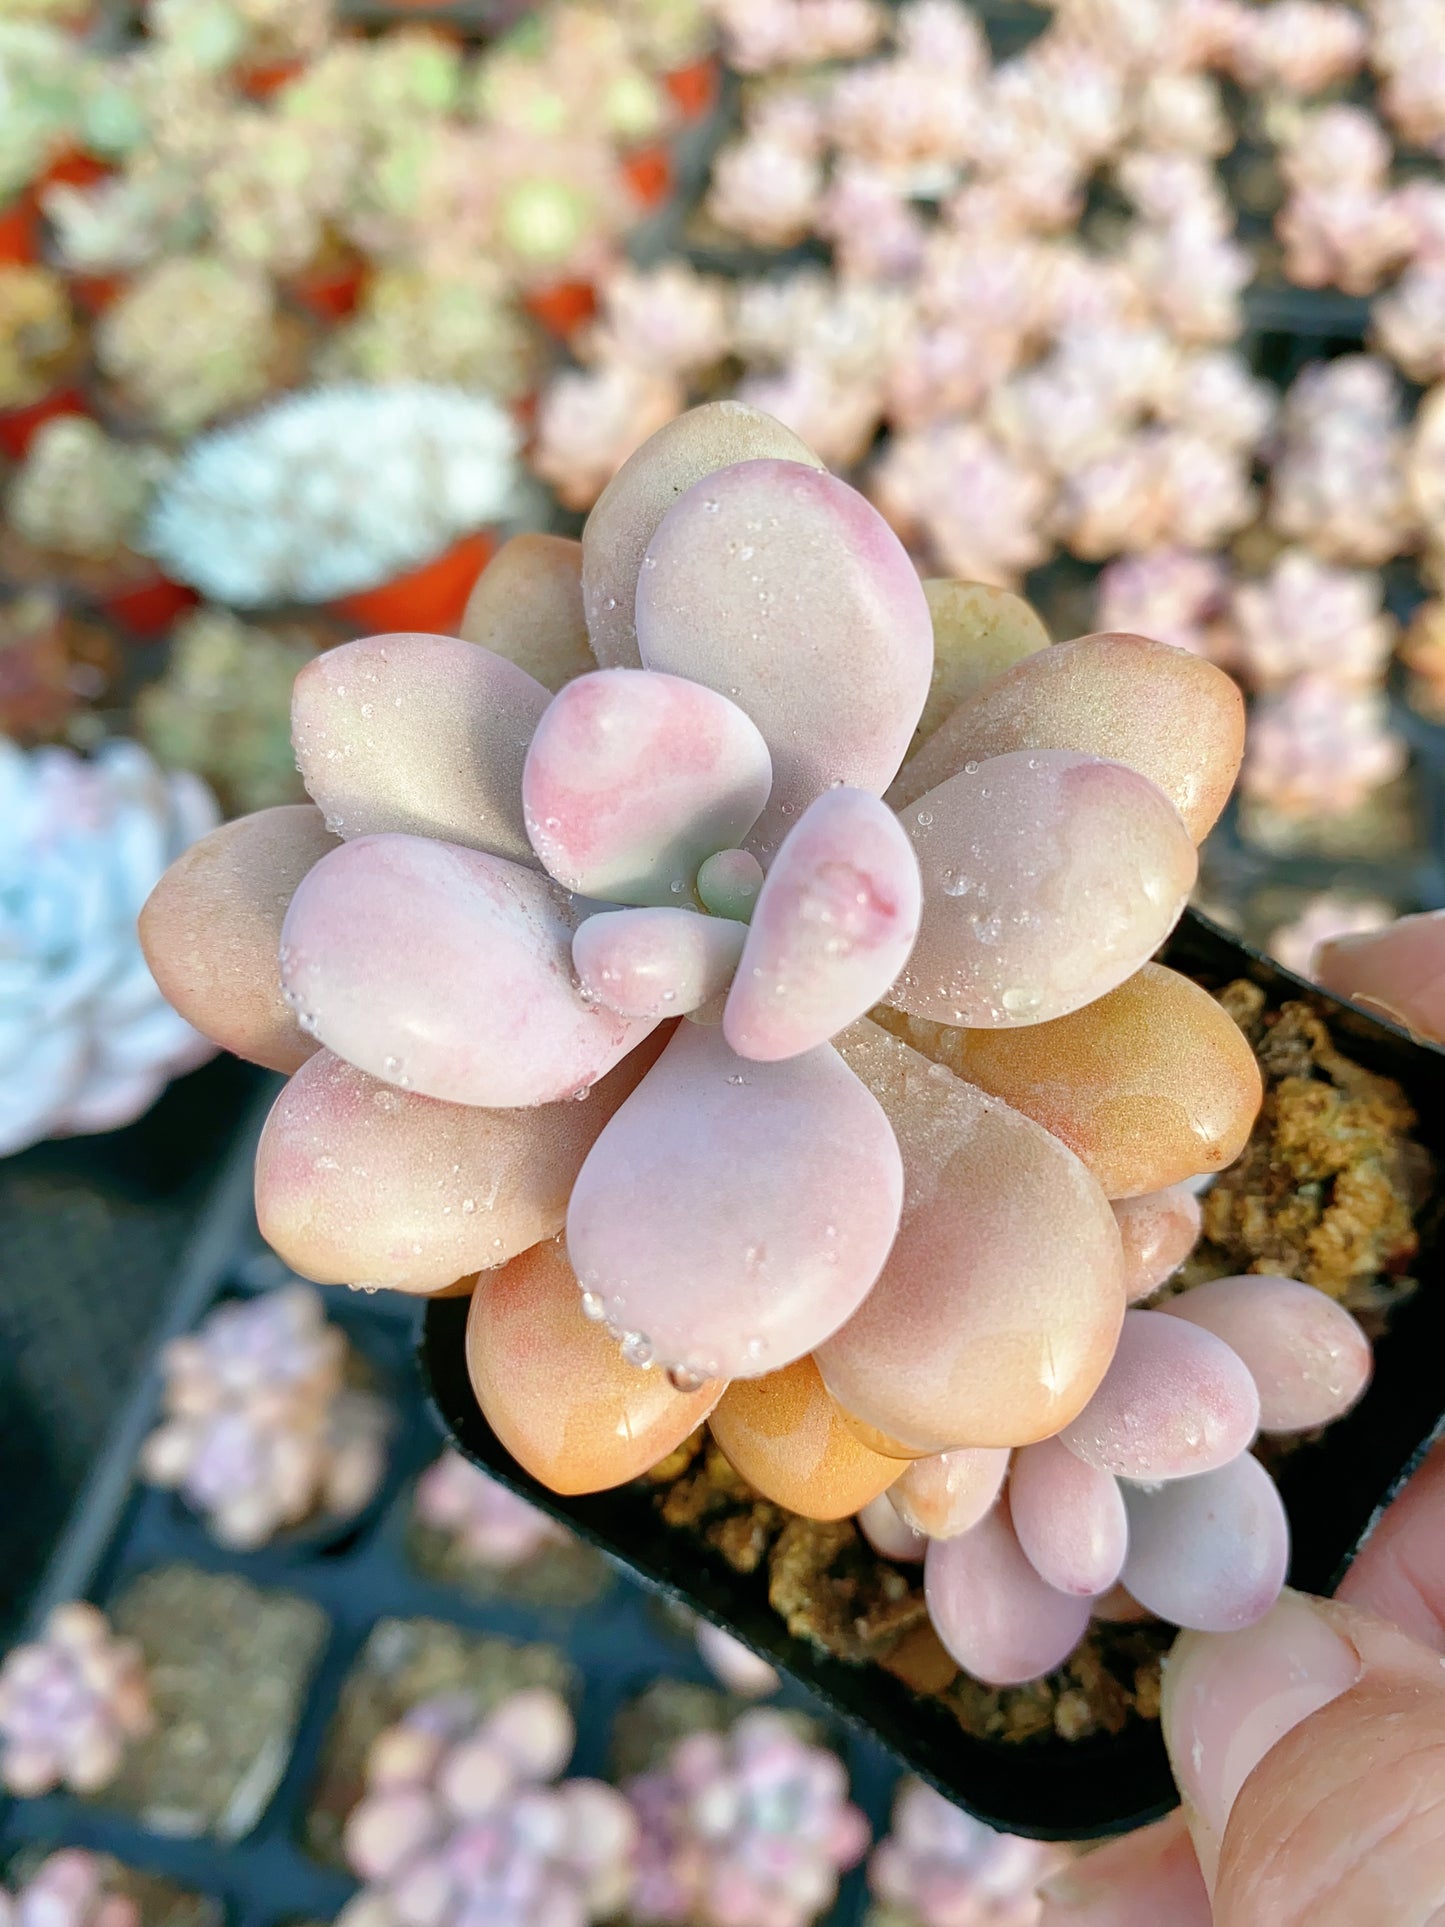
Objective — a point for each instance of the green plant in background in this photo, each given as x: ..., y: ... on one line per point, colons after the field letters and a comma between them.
x: 192, y: 338
x: 37, y: 333
x: 81, y: 493
x: 458, y: 325
x: 223, y: 708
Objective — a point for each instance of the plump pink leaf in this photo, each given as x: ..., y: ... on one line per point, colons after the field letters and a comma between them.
x: 1308, y: 1357
x: 1209, y: 1552
x: 993, y: 1612
x: 888, y: 1533
x: 998, y: 1310
x: 734, y: 1214
x: 446, y: 971
x: 783, y: 588
x: 1169, y: 1406
x: 656, y: 962
x: 421, y: 734
x: 1159, y: 1229
x: 949, y: 1493
x: 833, y: 927
x: 1069, y: 1519
x: 360, y: 1183
x: 634, y: 779
x: 1048, y: 879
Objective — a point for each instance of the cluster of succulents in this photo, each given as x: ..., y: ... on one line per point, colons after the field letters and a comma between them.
x: 86, y: 1039
x: 70, y: 1702
x: 1047, y: 378
x: 461, y: 1821
x: 71, y: 1888
x: 750, y: 1825
x: 38, y: 342
x: 889, y: 1006
x: 263, y: 1429
x: 79, y: 493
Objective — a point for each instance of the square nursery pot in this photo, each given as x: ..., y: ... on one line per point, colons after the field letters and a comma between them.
x: 1334, y: 1491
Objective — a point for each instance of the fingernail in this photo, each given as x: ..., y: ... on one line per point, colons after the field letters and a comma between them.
x: 1229, y: 1697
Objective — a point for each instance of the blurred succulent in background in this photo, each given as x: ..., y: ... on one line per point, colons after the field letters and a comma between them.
x: 1306, y: 617
x: 749, y: 1825
x: 275, y: 183
x: 263, y: 1429
x: 38, y: 341
x: 39, y: 99
x: 270, y: 512
x: 456, y: 326
x: 1338, y: 481
x: 71, y: 1888
x: 1323, y: 918
x: 217, y: 34
x: 939, y: 1867
x: 1320, y: 749
x: 491, y: 1525
x: 223, y: 708
x: 192, y: 338
x: 86, y: 1040
x: 81, y: 493
x: 736, y: 1666
x: 69, y: 1702
x: 567, y: 68
x: 460, y: 1822
x: 50, y: 663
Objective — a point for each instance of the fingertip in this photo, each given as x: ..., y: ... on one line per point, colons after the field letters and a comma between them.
x: 1143, y: 1880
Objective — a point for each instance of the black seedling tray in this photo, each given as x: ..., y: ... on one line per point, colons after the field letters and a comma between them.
x: 1335, y: 1491
x: 617, y: 1644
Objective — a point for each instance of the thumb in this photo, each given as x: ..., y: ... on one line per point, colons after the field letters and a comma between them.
x: 1310, y: 1752
x: 1398, y: 972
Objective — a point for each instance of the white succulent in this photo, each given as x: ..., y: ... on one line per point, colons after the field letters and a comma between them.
x: 334, y: 491
x: 87, y: 1042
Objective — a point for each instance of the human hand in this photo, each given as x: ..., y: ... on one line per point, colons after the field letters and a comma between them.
x: 1309, y: 1749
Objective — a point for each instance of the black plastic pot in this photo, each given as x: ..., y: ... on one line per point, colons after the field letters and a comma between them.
x: 1335, y: 1491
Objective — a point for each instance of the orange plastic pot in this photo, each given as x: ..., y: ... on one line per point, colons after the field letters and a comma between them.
x: 148, y: 608
x: 76, y: 168
x: 18, y: 426
x: 262, y: 82
x: 330, y: 293
x: 648, y: 174
x: 17, y: 233
x: 429, y: 599
x: 564, y: 307
x: 693, y: 89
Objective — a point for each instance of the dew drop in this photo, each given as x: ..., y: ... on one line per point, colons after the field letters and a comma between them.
x: 593, y: 1307
x: 1019, y: 1003
x: 970, y: 769
x: 637, y: 1349
x: 925, y: 817
x: 685, y: 1378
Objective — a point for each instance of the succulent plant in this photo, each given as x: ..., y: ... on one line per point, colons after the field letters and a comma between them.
x: 584, y: 879
x: 79, y: 492
x: 69, y: 1703
x: 1176, y: 595
x: 1338, y: 482
x: 50, y: 663
x: 223, y: 708
x: 939, y: 1867
x: 37, y: 333
x: 216, y: 34
x: 1320, y: 748
x: 86, y: 1040
x: 262, y: 1430
x: 38, y: 100
x: 269, y: 511
x: 737, y: 1666
x: 749, y: 1825
x: 457, y: 326
x: 1308, y: 617
x: 495, y: 1528
x: 460, y: 1822
x: 192, y: 338
x: 71, y: 1888
x: 273, y: 187
x: 1326, y: 916
x: 571, y: 66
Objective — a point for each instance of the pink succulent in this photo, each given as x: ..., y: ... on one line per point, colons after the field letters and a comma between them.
x: 1408, y: 322
x: 590, y: 420
x: 261, y: 1431
x: 1193, y: 278
x: 1153, y: 1484
x: 759, y: 35
x: 69, y: 1702
x: 875, y: 230
x: 1297, y: 46
x: 910, y: 119
x: 1183, y: 113
x: 70, y: 1889
x: 1408, y: 53
x: 939, y: 1867
x: 1324, y: 918
x: 669, y: 319
x: 737, y: 1666
x: 1342, y: 225
x: 1213, y: 394
x: 1338, y: 481
x: 978, y: 510
x: 1306, y: 617
x: 1320, y: 750
x: 750, y: 1828
x: 459, y: 1822
x: 766, y: 190
x: 834, y: 411
x: 1158, y: 487
x: 494, y: 1528
x: 1176, y: 595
